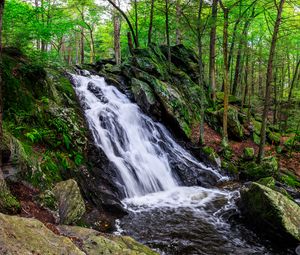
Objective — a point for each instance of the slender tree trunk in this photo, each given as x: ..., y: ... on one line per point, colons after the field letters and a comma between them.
x: 2, y: 182
x: 136, y: 21
x: 167, y: 30
x: 238, y: 66
x: 151, y: 22
x: 82, y: 46
x: 201, y: 71
x: 294, y: 80
x: 130, y: 43
x: 226, y: 74
x: 92, y: 47
x: 269, y: 78
x: 117, y: 35
x: 136, y: 42
x: 212, y: 50
x: 275, y: 97
x: 178, y: 17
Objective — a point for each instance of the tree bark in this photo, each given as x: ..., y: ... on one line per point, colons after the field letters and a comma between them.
x: 212, y: 50
x: 226, y: 73
x: 136, y: 42
x: 117, y: 43
x: 2, y: 182
x: 294, y: 80
x: 178, y: 16
x: 201, y: 71
x: 269, y: 82
x: 167, y: 30
x: 136, y: 21
x: 82, y: 46
x: 151, y: 22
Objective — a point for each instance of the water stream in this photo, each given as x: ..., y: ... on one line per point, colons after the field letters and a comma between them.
x: 163, y: 212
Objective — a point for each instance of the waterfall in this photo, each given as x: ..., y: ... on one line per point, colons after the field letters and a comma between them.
x: 142, y: 150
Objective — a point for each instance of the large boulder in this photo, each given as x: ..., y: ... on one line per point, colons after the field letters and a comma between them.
x: 93, y: 243
x: 70, y: 202
x: 22, y: 236
x: 174, y: 86
x: 29, y: 236
x: 271, y: 212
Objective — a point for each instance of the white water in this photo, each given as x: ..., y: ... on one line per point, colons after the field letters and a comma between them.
x: 131, y: 140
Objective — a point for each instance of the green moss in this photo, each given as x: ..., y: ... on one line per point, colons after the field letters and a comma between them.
x: 8, y: 203
x: 290, y: 180
x: 248, y: 153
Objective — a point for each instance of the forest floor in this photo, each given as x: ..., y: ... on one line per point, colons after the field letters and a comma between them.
x: 287, y: 161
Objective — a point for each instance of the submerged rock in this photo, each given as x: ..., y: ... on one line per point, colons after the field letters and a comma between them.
x: 271, y: 212
x: 70, y: 201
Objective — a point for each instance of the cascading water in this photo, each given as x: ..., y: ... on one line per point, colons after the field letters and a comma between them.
x: 139, y: 147
x: 165, y: 214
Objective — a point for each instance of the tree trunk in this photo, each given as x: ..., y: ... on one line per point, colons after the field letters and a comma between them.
x: 212, y: 50
x: 294, y: 80
x: 82, y: 46
x: 238, y: 66
x: 269, y: 82
x: 2, y: 182
x: 167, y: 30
x: 178, y: 17
x: 151, y: 22
x: 92, y: 47
x: 226, y: 75
x: 117, y: 34
x: 201, y: 71
x: 130, y: 43
x: 136, y: 42
x: 136, y: 21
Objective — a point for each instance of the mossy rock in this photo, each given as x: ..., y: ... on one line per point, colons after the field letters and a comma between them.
x: 273, y: 137
x: 272, y: 212
x: 232, y: 99
x: 143, y: 94
x: 8, y: 203
x: 230, y: 167
x: 235, y: 129
x: 29, y: 236
x: 211, y: 154
x: 70, y: 202
x: 248, y: 153
x: 93, y: 243
x: 253, y: 171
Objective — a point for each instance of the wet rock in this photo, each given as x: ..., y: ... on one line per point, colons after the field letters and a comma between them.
x: 93, y: 243
x: 29, y: 236
x: 70, y: 202
x: 145, y: 98
x: 97, y: 92
x: 271, y: 212
x: 100, y: 184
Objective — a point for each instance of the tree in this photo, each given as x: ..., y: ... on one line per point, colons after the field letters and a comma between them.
x: 212, y: 50
x: 2, y: 182
x: 117, y: 31
x: 135, y: 39
x: 269, y: 79
x: 151, y: 22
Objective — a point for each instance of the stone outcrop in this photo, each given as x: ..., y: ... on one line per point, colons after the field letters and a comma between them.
x: 272, y: 212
